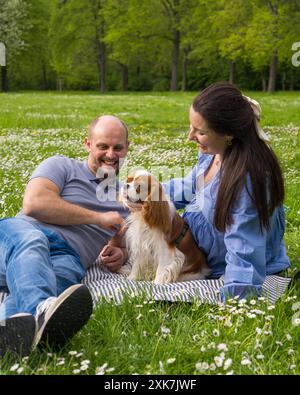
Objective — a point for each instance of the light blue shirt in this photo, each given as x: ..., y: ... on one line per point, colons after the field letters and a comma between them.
x: 243, y: 254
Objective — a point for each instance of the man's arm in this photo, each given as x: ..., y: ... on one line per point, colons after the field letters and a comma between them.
x: 43, y: 202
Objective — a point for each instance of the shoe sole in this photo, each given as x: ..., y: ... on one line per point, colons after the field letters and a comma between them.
x: 17, y: 335
x: 67, y: 319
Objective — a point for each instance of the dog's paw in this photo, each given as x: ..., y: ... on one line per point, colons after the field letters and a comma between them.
x: 164, y: 277
x: 125, y: 270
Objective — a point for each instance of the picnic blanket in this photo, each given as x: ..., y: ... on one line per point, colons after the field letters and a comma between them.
x: 114, y: 287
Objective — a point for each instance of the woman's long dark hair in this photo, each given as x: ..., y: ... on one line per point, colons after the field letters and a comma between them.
x: 227, y: 112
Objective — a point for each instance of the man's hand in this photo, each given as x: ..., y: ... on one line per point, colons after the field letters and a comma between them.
x: 111, y: 220
x: 112, y: 257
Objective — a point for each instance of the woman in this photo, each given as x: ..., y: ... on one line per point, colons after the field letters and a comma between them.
x: 235, y: 209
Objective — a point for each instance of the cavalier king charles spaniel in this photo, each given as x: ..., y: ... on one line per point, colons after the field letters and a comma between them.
x: 160, y: 244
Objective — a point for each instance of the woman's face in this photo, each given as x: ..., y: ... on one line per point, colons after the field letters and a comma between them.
x: 208, y: 141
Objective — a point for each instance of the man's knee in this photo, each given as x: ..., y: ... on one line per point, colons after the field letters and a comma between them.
x: 20, y: 233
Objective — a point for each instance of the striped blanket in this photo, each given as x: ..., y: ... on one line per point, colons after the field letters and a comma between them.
x: 114, y: 287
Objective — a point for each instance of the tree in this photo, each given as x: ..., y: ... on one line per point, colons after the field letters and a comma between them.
x: 269, y: 36
x: 12, y: 26
x: 229, y: 21
x: 76, y: 34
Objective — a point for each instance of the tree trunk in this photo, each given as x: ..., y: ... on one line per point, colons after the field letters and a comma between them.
x: 175, y: 60
x: 60, y: 84
x: 4, y: 81
x: 273, y: 72
x: 44, y: 77
x: 292, y: 81
x: 101, y: 59
x: 124, y: 77
x: 283, y: 81
x: 184, y: 70
x: 264, y: 84
x: 102, y: 66
x: 231, y: 72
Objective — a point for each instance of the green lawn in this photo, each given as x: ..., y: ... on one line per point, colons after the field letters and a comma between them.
x: 152, y: 338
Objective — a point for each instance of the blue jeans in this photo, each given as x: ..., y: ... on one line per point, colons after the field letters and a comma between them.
x: 35, y: 263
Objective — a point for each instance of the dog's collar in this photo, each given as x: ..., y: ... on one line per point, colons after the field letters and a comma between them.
x: 178, y: 240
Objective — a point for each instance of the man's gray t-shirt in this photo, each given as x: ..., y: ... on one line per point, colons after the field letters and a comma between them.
x: 78, y: 185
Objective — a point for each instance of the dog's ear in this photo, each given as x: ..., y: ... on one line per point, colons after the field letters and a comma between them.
x: 156, y: 209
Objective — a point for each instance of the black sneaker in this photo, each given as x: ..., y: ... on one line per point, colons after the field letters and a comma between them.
x: 58, y: 319
x: 17, y: 334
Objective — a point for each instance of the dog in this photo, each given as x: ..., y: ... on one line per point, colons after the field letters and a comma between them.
x: 159, y: 242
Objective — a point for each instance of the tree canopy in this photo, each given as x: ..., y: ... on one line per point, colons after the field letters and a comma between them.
x: 149, y: 44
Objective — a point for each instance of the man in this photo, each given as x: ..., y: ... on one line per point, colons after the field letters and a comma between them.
x: 46, y: 249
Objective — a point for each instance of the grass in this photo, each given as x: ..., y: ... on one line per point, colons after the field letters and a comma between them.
x: 155, y: 338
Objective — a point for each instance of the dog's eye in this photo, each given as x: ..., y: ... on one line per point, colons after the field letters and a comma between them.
x: 138, y: 189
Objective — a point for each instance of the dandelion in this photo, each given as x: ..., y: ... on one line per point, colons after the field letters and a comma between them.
x: 96, y: 353
x: 260, y: 356
x: 253, y: 302
x: 291, y: 351
x: 200, y: 366
x: 269, y: 317
x: 211, y: 345
x: 288, y: 336
x: 258, y: 330
x: 61, y: 362
x: 76, y: 371
x: 257, y: 311
x: 216, y: 332
x: 203, y: 349
x: 78, y: 355
x: 72, y: 352
x: 227, y: 363
x: 165, y: 330
x: 195, y: 338
x: 271, y: 307
x: 109, y: 370
x: 279, y: 343
x: 230, y: 373
x: 20, y: 370
x: 222, y: 347
x: 84, y: 367
x: 139, y: 316
x: 296, y: 321
x: 218, y: 361
x: 245, y: 362
x: 212, y: 366
x: 100, y: 370
x: 14, y: 367
x: 171, y: 360
x: 161, y: 367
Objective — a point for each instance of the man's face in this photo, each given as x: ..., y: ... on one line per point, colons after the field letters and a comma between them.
x: 107, y: 146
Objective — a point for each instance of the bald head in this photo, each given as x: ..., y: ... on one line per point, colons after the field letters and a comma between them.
x: 107, y: 143
x: 107, y: 123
